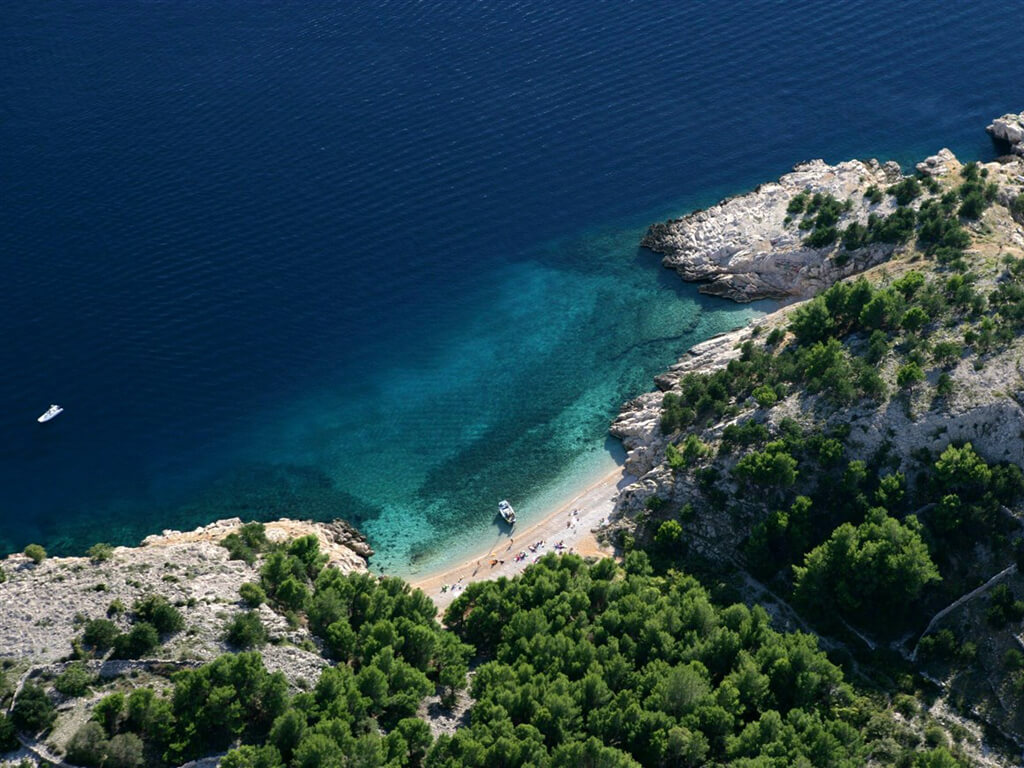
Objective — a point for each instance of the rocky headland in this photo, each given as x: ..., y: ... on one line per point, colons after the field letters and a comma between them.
x: 44, y: 606
x: 750, y: 247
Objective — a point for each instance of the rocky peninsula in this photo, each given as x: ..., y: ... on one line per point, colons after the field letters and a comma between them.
x: 44, y: 605
x: 749, y: 247
x: 760, y: 245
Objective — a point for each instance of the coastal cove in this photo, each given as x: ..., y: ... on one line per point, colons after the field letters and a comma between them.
x: 387, y: 268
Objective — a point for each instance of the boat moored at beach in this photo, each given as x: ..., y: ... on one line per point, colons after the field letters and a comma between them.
x: 507, y: 513
x: 51, y: 413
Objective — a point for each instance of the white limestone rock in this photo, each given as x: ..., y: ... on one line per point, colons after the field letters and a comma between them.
x: 941, y: 163
x: 744, y: 249
x: 1009, y: 128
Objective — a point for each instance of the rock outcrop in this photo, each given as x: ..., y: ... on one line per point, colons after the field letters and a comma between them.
x: 1009, y: 129
x: 749, y: 247
x: 638, y: 424
x: 942, y: 163
x: 43, y: 606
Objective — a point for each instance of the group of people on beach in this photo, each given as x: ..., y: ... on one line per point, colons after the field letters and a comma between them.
x: 456, y: 587
x: 536, y: 550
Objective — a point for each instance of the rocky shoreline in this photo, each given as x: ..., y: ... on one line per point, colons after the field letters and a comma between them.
x: 43, y: 606
x: 744, y: 249
x: 749, y: 247
x: 1009, y: 129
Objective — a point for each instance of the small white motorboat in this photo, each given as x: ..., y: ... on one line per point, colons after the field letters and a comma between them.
x: 51, y: 413
x: 507, y: 513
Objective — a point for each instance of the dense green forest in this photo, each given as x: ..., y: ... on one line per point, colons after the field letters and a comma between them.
x: 576, y: 664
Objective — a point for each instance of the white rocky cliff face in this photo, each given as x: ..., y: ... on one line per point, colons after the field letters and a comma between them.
x: 1010, y: 129
x: 744, y: 249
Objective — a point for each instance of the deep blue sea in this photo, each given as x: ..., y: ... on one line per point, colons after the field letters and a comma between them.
x: 379, y: 260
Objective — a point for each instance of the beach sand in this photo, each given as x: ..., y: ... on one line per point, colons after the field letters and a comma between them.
x: 569, y: 525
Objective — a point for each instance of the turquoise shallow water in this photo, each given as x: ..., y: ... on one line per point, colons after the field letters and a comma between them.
x: 509, y: 404
x: 379, y: 260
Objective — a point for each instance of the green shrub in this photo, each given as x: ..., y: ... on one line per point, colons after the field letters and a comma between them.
x: 1013, y: 659
x: 905, y: 191
x: 157, y: 611
x: 869, y: 572
x: 35, y: 553
x: 1017, y: 207
x: 822, y: 237
x: 914, y: 319
x: 944, y: 385
x: 75, y: 680
x: 746, y: 433
x: 854, y: 236
x: 874, y: 195
x: 248, y: 756
x: 245, y: 544
x: 33, y: 711
x: 797, y: 203
x: 654, y: 503
x: 100, y: 634
x: 8, y: 737
x: 108, y: 711
x: 904, y: 704
x: 896, y: 228
x: 691, y: 450
x: 878, y: 346
x: 124, y: 750
x: 292, y: 594
x: 141, y: 640
x: 973, y: 206
x: 947, y: 352
x: 812, y: 321
x: 252, y: 594
x: 1002, y: 608
x: 765, y: 396
x: 772, y: 466
x: 669, y: 533
x: 88, y: 746
x: 941, y: 646
x: 100, y: 552
x: 908, y: 375
x: 246, y: 631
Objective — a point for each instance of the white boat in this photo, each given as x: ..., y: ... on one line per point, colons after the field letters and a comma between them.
x: 507, y: 513
x: 51, y: 413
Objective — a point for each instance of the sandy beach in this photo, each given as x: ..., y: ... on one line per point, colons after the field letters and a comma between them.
x: 568, y: 527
